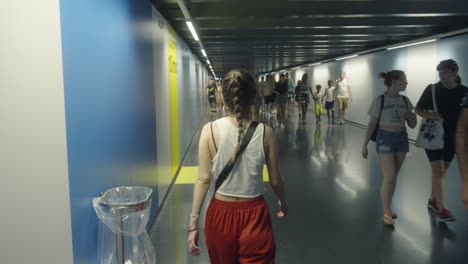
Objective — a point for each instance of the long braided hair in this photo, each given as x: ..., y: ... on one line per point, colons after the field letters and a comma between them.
x: 239, y: 94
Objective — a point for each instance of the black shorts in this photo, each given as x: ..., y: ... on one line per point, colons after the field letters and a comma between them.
x: 445, y: 154
x: 269, y: 99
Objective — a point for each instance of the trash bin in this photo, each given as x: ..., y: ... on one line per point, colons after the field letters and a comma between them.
x: 124, y: 213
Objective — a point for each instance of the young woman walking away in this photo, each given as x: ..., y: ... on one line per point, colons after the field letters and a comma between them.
x: 318, y: 103
x: 449, y: 94
x: 330, y: 102
x: 303, y: 92
x: 237, y: 223
x: 390, y: 111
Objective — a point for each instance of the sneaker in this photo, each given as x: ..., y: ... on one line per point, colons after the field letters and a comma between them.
x: 388, y: 220
x: 446, y: 216
x: 433, y: 206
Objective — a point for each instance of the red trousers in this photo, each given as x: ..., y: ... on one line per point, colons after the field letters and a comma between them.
x: 239, y: 232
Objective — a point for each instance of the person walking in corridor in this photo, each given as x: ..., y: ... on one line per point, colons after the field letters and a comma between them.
x: 389, y: 112
x: 343, y: 95
x: 462, y: 149
x: 302, y: 94
x: 211, y: 94
x: 330, y: 102
x: 318, y: 103
x: 237, y: 224
x: 448, y: 97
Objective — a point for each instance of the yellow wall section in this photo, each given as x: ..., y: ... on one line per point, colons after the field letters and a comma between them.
x: 174, y: 100
x: 188, y: 175
x: 175, y: 131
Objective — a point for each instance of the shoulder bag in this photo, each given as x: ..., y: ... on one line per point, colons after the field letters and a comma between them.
x: 431, y: 132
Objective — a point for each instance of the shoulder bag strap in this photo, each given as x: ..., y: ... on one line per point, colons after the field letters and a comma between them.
x: 433, y: 88
x: 406, y: 103
x: 212, y: 137
x: 228, y: 168
x: 381, y: 107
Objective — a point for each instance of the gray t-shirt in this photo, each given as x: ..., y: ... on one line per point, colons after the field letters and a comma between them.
x: 394, y: 110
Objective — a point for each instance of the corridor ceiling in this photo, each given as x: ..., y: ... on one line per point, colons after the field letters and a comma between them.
x: 264, y: 36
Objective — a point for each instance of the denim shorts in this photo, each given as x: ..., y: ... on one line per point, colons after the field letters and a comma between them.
x: 391, y: 142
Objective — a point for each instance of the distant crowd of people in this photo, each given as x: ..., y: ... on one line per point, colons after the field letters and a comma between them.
x: 277, y: 97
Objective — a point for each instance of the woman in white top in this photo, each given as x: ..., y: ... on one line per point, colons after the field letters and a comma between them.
x: 237, y: 224
x: 392, y: 138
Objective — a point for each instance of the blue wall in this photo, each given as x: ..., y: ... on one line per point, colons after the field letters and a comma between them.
x: 109, y: 101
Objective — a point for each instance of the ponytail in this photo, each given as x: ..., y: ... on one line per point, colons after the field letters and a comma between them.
x: 389, y: 76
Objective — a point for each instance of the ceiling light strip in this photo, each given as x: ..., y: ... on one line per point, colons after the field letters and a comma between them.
x: 348, y: 57
x: 412, y: 44
x: 192, y: 30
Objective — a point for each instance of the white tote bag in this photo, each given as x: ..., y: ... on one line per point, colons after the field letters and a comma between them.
x: 431, y: 132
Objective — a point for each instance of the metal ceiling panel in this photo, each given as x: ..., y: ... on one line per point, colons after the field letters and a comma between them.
x: 271, y: 35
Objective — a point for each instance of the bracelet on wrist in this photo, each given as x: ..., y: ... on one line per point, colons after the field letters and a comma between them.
x: 193, y: 229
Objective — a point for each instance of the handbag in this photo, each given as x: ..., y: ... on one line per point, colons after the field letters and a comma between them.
x: 431, y: 132
x: 228, y: 168
x: 376, y: 129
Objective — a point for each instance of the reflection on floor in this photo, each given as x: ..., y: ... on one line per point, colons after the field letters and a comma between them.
x: 335, y: 214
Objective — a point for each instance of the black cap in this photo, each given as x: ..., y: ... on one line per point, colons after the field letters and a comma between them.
x: 448, y: 65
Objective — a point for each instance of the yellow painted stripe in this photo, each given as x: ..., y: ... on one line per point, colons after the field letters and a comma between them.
x: 174, y: 100
x: 175, y: 134
x: 188, y: 175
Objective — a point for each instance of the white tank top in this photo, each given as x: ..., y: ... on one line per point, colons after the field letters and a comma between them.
x: 329, y: 93
x: 246, y: 177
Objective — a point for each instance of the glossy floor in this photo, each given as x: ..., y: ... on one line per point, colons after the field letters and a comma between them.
x: 335, y: 213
